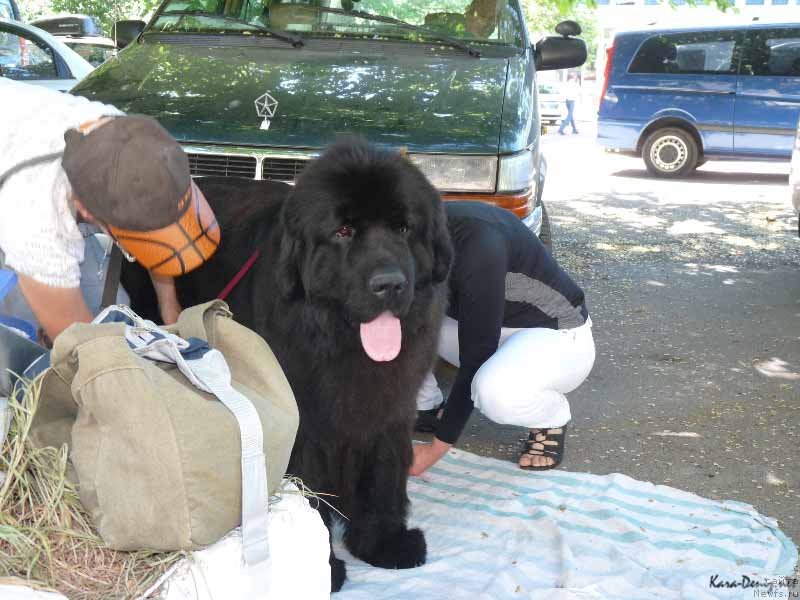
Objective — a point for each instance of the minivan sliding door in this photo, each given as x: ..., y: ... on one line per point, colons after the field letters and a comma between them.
x: 768, y: 93
x: 690, y: 76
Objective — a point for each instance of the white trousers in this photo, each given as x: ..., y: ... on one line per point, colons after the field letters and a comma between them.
x: 523, y: 383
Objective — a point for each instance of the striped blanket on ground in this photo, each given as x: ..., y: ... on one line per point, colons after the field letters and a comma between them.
x: 497, y: 532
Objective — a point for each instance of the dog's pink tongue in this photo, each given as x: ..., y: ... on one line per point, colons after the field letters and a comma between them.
x: 382, y: 337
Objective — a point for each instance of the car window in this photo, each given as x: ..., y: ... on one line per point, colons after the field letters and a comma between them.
x: 497, y: 21
x: 25, y: 59
x: 95, y: 54
x: 694, y: 53
x: 548, y: 88
x: 773, y: 53
x: 6, y: 12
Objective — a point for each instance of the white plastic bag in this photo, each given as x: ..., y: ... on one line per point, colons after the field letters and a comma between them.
x: 297, y: 568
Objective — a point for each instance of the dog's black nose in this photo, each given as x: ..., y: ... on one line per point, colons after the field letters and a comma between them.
x: 387, y: 283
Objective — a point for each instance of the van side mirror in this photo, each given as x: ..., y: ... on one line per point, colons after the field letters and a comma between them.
x: 127, y: 31
x: 563, y: 52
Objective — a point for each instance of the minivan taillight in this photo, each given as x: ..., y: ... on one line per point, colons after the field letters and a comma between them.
x: 607, y: 72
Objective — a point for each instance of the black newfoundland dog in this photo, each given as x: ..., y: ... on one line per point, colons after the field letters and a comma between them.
x: 349, y: 291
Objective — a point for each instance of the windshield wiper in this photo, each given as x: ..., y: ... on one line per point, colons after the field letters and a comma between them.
x: 276, y: 33
x: 431, y: 33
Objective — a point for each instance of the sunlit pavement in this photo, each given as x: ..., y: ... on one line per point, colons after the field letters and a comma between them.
x: 694, y: 291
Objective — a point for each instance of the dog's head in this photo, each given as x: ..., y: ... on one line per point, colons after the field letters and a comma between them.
x: 363, y: 231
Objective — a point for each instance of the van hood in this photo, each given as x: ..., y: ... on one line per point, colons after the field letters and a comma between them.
x: 202, y: 94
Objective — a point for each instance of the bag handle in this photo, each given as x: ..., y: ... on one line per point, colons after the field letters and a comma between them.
x: 200, y: 321
x: 113, y: 273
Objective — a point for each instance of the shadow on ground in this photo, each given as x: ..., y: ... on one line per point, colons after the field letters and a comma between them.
x: 711, y: 176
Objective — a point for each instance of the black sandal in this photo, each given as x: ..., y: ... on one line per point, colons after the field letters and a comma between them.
x: 545, y: 442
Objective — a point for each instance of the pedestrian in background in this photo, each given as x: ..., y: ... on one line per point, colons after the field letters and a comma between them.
x: 571, y: 91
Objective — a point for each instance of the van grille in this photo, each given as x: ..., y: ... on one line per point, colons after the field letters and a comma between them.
x: 228, y: 165
x: 222, y: 165
x: 282, y: 169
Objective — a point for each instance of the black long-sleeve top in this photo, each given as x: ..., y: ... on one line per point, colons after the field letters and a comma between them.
x: 502, y: 276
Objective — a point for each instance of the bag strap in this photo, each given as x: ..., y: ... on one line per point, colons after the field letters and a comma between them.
x: 113, y: 274
x: 207, y: 370
x: 28, y: 163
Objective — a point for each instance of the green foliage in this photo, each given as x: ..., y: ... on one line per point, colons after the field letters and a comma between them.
x: 106, y: 12
x: 543, y: 16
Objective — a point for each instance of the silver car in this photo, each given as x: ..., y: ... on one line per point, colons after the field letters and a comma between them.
x: 34, y: 56
x: 81, y: 33
x: 794, y: 174
x: 551, y: 102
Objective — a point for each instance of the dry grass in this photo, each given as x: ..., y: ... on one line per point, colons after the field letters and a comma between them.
x: 46, y: 538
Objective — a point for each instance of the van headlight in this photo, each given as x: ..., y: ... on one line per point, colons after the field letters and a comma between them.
x: 516, y: 172
x: 458, y: 173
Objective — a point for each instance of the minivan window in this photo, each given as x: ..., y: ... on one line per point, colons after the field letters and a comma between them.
x: 774, y: 53
x: 482, y: 21
x: 694, y: 53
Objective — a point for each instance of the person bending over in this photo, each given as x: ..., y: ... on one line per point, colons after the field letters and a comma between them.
x: 64, y: 160
x: 518, y: 329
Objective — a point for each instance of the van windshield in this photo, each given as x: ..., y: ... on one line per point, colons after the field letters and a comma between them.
x: 474, y: 21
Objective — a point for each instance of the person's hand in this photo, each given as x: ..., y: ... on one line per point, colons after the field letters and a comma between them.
x: 427, y: 455
x: 168, y: 304
x: 170, y: 313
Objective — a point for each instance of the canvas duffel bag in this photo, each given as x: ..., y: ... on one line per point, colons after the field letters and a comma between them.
x: 159, y: 462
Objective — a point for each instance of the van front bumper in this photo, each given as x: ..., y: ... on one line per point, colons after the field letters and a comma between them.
x: 534, y: 220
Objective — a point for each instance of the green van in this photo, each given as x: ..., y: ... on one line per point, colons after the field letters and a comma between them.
x: 256, y: 88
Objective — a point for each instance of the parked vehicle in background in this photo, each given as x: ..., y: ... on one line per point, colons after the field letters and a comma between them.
x: 256, y: 89
x: 34, y: 56
x: 551, y: 102
x: 680, y: 97
x: 81, y: 33
x: 9, y: 10
x: 794, y: 175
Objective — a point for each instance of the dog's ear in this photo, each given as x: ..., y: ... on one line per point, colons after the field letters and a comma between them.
x: 287, y: 271
x: 442, y: 247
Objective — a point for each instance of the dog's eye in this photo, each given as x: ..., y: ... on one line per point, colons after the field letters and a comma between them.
x: 345, y: 231
x: 402, y: 228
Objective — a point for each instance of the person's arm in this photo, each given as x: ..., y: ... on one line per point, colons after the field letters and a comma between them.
x: 481, y: 303
x: 55, y: 308
x: 479, y: 281
x: 168, y: 303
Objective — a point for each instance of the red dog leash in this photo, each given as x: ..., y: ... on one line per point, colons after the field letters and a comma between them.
x: 240, y: 275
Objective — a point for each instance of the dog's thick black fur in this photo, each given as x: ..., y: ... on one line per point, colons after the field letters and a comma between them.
x: 356, y: 213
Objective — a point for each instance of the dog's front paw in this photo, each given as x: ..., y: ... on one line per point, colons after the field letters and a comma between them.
x: 338, y: 573
x: 405, y: 549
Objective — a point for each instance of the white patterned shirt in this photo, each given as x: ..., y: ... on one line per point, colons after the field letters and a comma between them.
x: 39, y: 235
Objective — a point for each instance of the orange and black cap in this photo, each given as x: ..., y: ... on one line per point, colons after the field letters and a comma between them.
x: 133, y: 177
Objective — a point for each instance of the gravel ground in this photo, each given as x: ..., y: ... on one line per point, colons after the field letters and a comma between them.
x: 694, y: 293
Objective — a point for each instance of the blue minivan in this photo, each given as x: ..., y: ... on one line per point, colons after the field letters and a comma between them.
x: 679, y: 97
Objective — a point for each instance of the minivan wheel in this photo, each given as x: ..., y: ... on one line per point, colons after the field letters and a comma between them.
x: 670, y: 152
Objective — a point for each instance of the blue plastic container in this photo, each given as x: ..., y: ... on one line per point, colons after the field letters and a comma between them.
x: 8, y: 281
x: 20, y: 324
